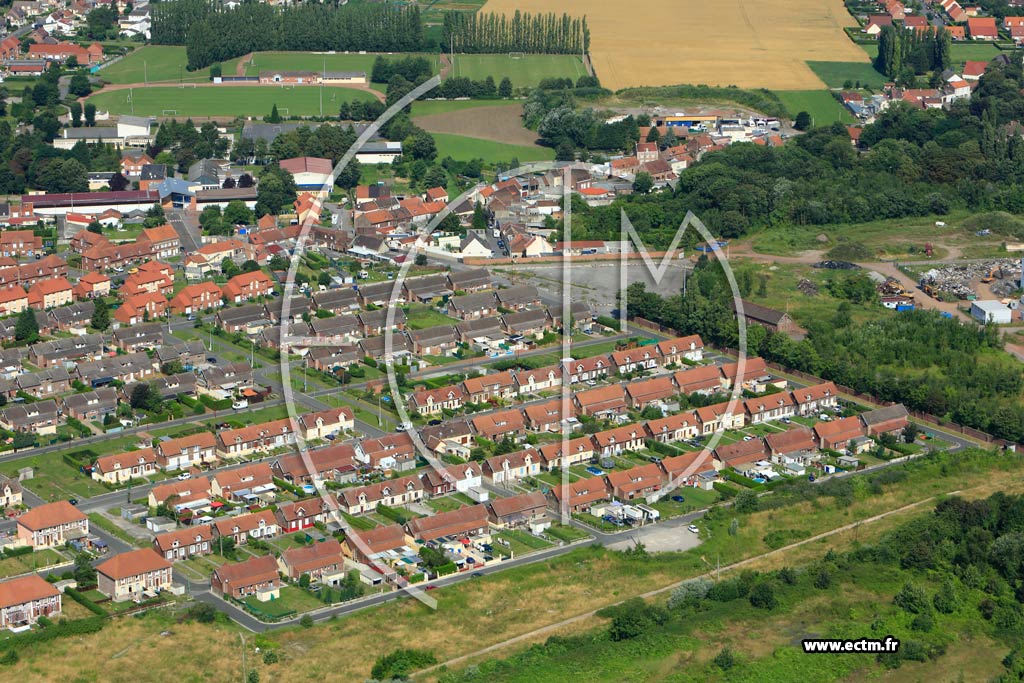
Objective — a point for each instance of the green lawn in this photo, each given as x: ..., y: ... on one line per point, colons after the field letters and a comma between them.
x: 566, y: 533
x: 310, y: 61
x: 292, y: 600
x: 446, y: 504
x: 527, y: 70
x: 226, y: 100
x: 520, y: 542
x: 823, y: 108
x: 421, y: 316
x: 836, y: 73
x: 12, y: 566
x: 153, y: 63
x: 427, y: 107
x: 56, y: 480
x: 961, y: 52
x: 462, y: 148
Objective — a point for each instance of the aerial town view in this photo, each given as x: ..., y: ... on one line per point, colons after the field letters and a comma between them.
x: 508, y: 341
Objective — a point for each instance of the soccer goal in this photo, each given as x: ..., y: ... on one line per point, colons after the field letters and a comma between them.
x: 186, y: 85
x: 516, y: 55
x: 170, y: 112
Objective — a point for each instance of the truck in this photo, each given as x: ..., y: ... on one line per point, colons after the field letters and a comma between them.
x: 650, y: 513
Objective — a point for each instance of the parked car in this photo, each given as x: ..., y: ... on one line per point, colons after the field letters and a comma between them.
x: 693, y: 529
x: 184, y: 475
x: 748, y: 438
x: 211, y: 359
x: 240, y: 405
x: 678, y: 499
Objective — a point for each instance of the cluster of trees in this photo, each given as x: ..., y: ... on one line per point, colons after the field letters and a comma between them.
x: 275, y: 192
x: 918, y: 358
x: 361, y: 111
x: 902, y: 53
x: 217, y: 222
x: 522, y: 32
x: 415, y: 69
x: 460, y: 86
x: 101, y: 24
x: 179, y: 144
x: 213, y: 34
x: 919, y: 163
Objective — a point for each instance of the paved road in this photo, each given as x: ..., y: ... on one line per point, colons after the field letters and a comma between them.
x: 187, y: 227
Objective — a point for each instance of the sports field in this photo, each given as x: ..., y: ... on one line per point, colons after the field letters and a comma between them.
x: 311, y: 61
x: 525, y: 70
x: 214, y: 100
x: 731, y: 42
x: 823, y: 108
x: 153, y: 63
x: 463, y: 148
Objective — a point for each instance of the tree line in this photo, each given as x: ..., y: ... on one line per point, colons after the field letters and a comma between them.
x: 548, y: 33
x: 902, y: 53
x: 212, y: 34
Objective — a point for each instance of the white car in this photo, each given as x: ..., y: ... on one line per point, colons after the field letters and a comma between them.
x: 240, y: 405
x: 748, y: 438
x: 693, y: 529
x: 404, y: 427
x: 184, y: 475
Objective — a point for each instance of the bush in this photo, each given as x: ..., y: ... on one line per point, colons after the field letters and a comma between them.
x: 746, y: 501
x: 763, y: 596
x: 306, y: 621
x: 85, y: 602
x: 725, y: 659
x: 400, y: 663
x: 633, y: 618
x: 269, y: 657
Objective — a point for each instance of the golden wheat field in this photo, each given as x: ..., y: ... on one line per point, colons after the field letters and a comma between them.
x: 726, y: 42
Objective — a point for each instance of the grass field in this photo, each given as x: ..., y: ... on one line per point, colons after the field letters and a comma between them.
x: 961, y: 52
x: 225, y: 100
x: 311, y: 61
x: 823, y: 108
x: 462, y: 148
x: 420, y: 317
x: 153, y: 63
x: 836, y: 73
x: 732, y: 42
x: 528, y: 70
x: 431, y: 107
x: 502, y: 124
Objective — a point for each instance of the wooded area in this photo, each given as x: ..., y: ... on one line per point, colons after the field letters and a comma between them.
x: 212, y: 34
x: 522, y: 32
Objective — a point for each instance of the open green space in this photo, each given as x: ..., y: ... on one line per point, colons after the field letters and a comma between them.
x: 22, y: 564
x: 153, y: 63
x: 226, y: 100
x: 463, y: 148
x: 421, y: 316
x: 312, y: 61
x: 520, y: 542
x: 962, y: 52
x: 835, y: 74
x: 526, y: 70
x: 823, y: 108
x: 54, y: 479
x: 292, y: 600
x: 446, y: 504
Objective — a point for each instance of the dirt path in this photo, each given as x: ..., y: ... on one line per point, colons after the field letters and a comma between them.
x: 243, y: 64
x: 446, y: 66
x: 125, y: 86
x: 536, y: 633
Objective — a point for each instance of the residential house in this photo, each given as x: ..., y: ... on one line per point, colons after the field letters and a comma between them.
x: 368, y: 546
x: 684, y: 470
x: 681, y: 427
x: 500, y: 425
x: 241, y: 528
x: 537, y: 380
x: 472, y: 306
x: 249, y: 319
x: 813, y: 399
x: 92, y: 285
x: 41, y: 417
x: 302, y: 514
x: 527, y: 323
x: 637, y: 482
x: 75, y: 318
x: 20, y: 243
x: 580, y: 495
x: 10, y: 493
x: 517, y: 298
x: 52, y: 525
x: 464, y: 522
x: 139, y: 337
x: 769, y: 318
x: 619, y: 440
x: 237, y: 483
x: 473, y: 280
x: 325, y: 423
x: 982, y: 28
x: 440, y: 340
x: 510, y: 467
x: 719, y: 417
x: 888, y: 420
x: 573, y: 452
x: 454, y: 479
x: 644, y: 358
x: 122, y: 467
x: 390, y: 452
x: 705, y: 380
x: 163, y: 239
x: 495, y: 386
x: 836, y: 435
x: 256, y: 576
x: 547, y: 416
x: 26, y: 598
x: 587, y: 369
x: 741, y: 455
x: 650, y: 392
x: 434, y: 401
x: 334, y: 463
x: 196, y: 298
x: 258, y: 438
x: 91, y: 406
x: 318, y: 561
x: 248, y: 286
x: 46, y: 294
x: 681, y: 349
x: 13, y: 300
x: 769, y: 408
x: 182, y: 544
x: 794, y: 441
x: 186, y: 451
x: 391, y: 492
x: 601, y: 402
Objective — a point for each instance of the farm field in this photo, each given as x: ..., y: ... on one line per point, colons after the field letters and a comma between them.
x: 430, y: 107
x: 225, y: 100
x: 500, y: 124
x: 463, y: 148
x: 528, y: 70
x: 312, y: 61
x: 151, y: 64
x: 823, y: 108
x: 836, y: 73
x: 723, y: 43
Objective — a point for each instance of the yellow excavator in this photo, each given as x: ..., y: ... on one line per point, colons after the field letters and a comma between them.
x: 996, y: 272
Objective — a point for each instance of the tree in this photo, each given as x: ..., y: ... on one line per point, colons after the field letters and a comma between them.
x: 118, y: 183
x: 275, y: 192
x: 229, y: 183
x: 505, y: 88
x: 348, y: 177
x: 399, y: 664
x: 274, y: 117
x: 79, y: 85
x: 763, y: 596
x: 250, y: 266
x: 90, y: 114
x: 946, y: 599
x: 76, y: 113
x: 216, y: 71
x: 653, y: 135
x: 145, y: 397
x: 245, y: 180
x: 565, y: 151
x: 725, y: 659
x: 746, y: 501
x: 27, y: 327
x: 421, y: 259
x: 479, y: 221
x: 420, y: 146
x: 435, y: 176
x: 100, y: 314
x: 237, y: 213
x: 84, y: 572
x: 910, y: 433
x: 304, y: 580
x: 802, y: 121
x: 823, y: 579
x: 643, y: 183
x: 95, y: 227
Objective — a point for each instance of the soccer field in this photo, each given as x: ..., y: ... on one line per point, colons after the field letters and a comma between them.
x: 226, y: 100
x: 526, y: 70
x: 312, y: 61
x: 153, y: 63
